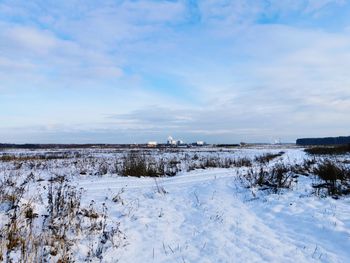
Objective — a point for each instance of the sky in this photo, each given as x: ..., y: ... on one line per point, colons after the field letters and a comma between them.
x: 221, y: 71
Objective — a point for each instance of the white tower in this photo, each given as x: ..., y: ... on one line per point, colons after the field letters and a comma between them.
x: 171, y: 141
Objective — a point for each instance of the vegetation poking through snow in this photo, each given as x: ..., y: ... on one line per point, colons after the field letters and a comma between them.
x: 217, y: 162
x: 50, y: 235
x: 136, y: 164
x: 328, y: 150
x: 265, y: 178
x: 267, y: 157
x: 334, y: 177
x: 45, y: 218
x: 34, y: 157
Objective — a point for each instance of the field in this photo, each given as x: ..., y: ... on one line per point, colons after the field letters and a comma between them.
x: 252, y: 204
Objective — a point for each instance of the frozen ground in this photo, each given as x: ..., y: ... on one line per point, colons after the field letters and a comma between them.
x: 205, y: 217
x: 209, y: 216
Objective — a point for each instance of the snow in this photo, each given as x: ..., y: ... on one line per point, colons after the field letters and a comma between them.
x: 208, y: 216
x: 204, y: 216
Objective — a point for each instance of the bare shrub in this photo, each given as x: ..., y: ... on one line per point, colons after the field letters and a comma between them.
x: 218, y: 162
x: 137, y: 164
x: 242, y: 162
x: 275, y: 178
x: 335, y: 178
x: 172, y: 166
x: 267, y: 157
x: 23, y: 158
x: 102, y: 168
x: 305, y: 168
x: 30, y: 236
x: 328, y: 150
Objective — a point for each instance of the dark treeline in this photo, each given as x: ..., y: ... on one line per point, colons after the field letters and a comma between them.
x: 60, y: 146
x: 80, y: 146
x: 227, y: 145
x: 324, y: 141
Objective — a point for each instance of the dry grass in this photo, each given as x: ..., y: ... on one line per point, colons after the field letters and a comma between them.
x: 137, y: 164
x: 280, y: 176
x: 33, y: 236
x: 268, y: 157
x: 329, y: 150
x: 334, y: 177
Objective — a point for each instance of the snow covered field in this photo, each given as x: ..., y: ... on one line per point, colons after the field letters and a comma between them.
x: 198, y: 215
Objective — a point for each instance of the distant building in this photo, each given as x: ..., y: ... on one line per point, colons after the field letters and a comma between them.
x: 277, y: 141
x: 200, y: 143
x: 171, y: 141
x: 152, y: 144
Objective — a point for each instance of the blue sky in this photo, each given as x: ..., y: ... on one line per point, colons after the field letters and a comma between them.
x: 133, y: 71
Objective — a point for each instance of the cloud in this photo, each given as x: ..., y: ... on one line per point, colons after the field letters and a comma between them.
x: 154, y: 12
x: 30, y: 54
x: 218, y: 70
x: 316, y: 5
x: 30, y: 39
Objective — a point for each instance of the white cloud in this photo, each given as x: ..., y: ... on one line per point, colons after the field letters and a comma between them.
x: 315, y: 5
x: 30, y: 39
x: 225, y: 75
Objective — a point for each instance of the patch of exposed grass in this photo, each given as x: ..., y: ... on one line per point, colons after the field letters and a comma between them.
x: 334, y: 176
x: 328, y: 150
x: 12, y: 158
x: 275, y: 178
x: 30, y: 235
x: 136, y: 164
x: 267, y: 157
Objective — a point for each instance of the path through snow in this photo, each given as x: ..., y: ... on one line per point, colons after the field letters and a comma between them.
x: 205, y: 216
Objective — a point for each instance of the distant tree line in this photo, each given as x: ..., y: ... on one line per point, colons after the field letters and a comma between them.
x: 324, y: 141
x: 58, y: 146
